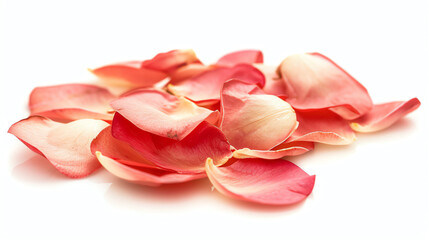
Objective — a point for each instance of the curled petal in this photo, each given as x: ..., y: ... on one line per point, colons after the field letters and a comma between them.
x: 280, y: 151
x: 253, y: 119
x: 162, y: 114
x: 129, y: 73
x: 244, y: 56
x: 322, y: 126
x: 188, y: 71
x: 66, y: 146
x: 384, y: 115
x: 170, y: 61
x: 313, y: 81
x: 275, y: 182
x: 207, y: 86
x: 70, y: 102
x: 274, y: 84
x: 185, y: 156
x: 142, y: 175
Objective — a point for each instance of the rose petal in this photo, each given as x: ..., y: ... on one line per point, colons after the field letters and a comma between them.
x: 313, y: 81
x: 253, y: 119
x: 144, y: 176
x: 280, y: 151
x: 70, y: 102
x: 66, y: 146
x: 244, y: 56
x: 384, y: 115
x: 274, y: 84
x: 118, y: 150
x: 207, y: 86
x: 170, y: 61
x: 162, y: 114
x: 188, y: 71
x: 129, y: 73
x: 276, y: 182
x: 185, y: 156
x: 322, y: 126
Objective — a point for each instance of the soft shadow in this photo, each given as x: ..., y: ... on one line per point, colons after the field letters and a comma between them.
x: 37, y: 169
x: 404, y: 125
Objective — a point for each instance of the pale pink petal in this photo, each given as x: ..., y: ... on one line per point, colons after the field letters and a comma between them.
x: 118, y: 150
x: 275, y: 182
x: 253, y: 119
x: 170, y: 61
x: 244, y: 56
x: 280, y: 151
x: 185, y: 156
x: 384, y: 115
x: 70, y: 102
x: 207, y: 86
x: 144, y: 176
x: 188, y: 71
x: 274, y: 84
x: 129, y: 73
x: 313, y: 81
x: 162, y: 114
x: 322, y: 126
x: 66, y: 146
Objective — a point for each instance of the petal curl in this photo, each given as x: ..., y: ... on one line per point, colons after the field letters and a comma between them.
x: 280, y: 151
x: 185, y: 156
x: 313, y: 81
x: 170, y: 61
x: 275, y: 182
x: 253, y: 119
x: 322, y: 126
x: 70, y: 102
x: 162, y: 114
x: 243, y: 56
x: 66, y: 146
x: 207, y: 86
x: 129, y: 73
x: 384, y: 115
x: 144, y: 176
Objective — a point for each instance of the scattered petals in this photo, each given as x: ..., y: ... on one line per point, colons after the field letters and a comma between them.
x: 244, y: 56
x: 384, y: 115
x: 188, y: 71
x: 66, y: 146
x: 170, y: 61
x: 274, y: 84
x: 275, y: 182
x: 280, y: 151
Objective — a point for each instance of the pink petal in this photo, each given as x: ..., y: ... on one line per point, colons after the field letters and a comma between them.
x: 322, y: 126
x: 244, y: 56
x: 129, y: 73
x: 66, y: 146
x: 313, y: 81
x: 253, y: 119
x: 118, y: 150
x: 170, y: 61
x: 188, y: 71
x: 276, y: 182
x: 384, y: 115
x: 274, y: 84
x: 162, y: 114
x: 207, y: 86
x: 280, y: 151
x: 144, y: 176
x: 185, y: 156
x: 70, y: 102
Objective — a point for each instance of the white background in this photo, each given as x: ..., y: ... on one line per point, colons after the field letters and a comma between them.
x: 376, y: 188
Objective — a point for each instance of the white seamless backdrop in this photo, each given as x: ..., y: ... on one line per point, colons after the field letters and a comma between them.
x: 376, y: 188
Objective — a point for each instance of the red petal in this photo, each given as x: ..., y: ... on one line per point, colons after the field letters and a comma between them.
x: 313, y: 81
x: 129, y: 73
x: 188, y: 71
x: 185, y: 156
x: 118, y: 150
x: 144, y: 176
x: 244, y: 56
x: 70, y: 102
x: 280, y: 151
x: 170, y: 61
x: 274, y: 84
x: 162, y: 114
x: 276, y: 182
x: 322, y: 126
x: 253, y: 119
x: 384, y: 115
x: 66, y: 146
x: 207, y: 86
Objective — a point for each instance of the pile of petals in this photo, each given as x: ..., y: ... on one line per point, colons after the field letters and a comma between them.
x: 172, y: 119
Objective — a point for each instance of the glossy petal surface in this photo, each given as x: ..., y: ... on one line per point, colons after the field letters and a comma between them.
x: 244, y: 56
x: 170, y: 61
x: 276, y: 182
